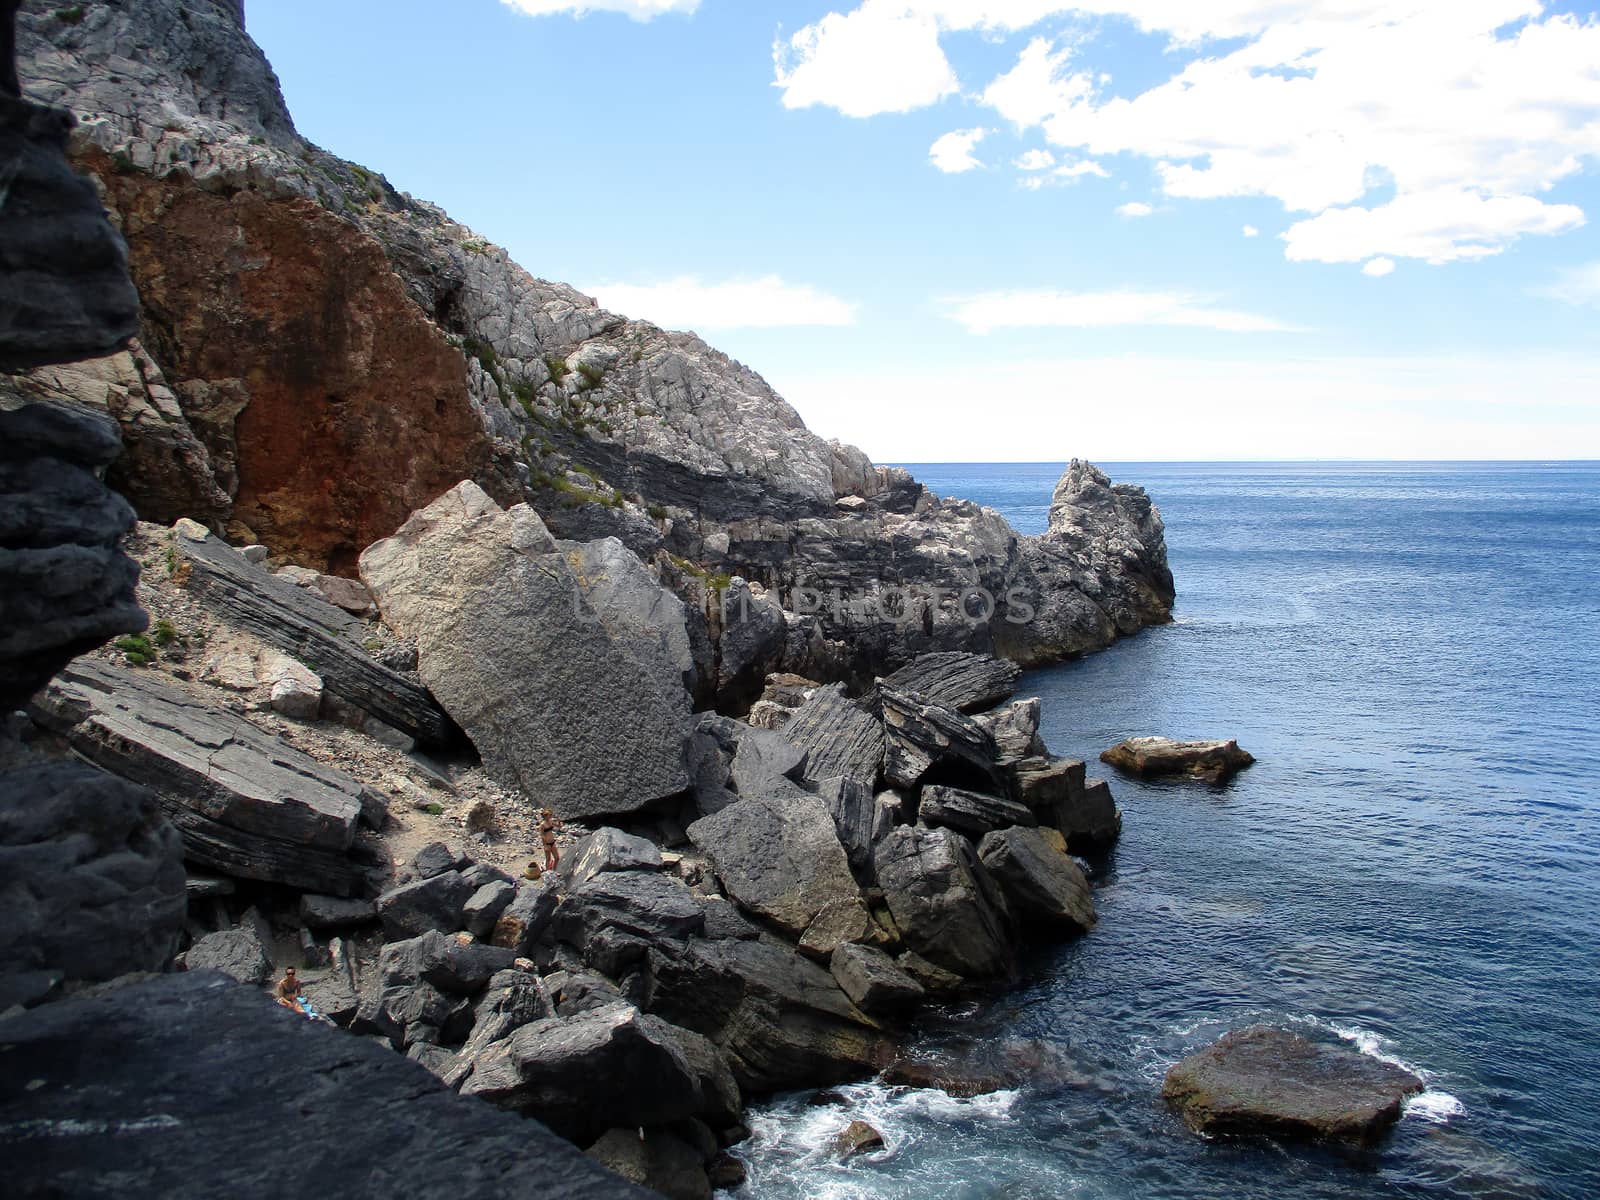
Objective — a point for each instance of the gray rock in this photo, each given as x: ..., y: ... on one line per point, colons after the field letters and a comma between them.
x: 633, y: 606
x: 435, y: 859
x: 1145, y: 757
x: 554, y: 703
x: 763, y: 755
x: 751, y: 644
x: 857, y: 819
x: 235, y: 952
x: 334, y: 912
x: 723, y: 920
x: 935, y: 980
x: 310, y: 629
x: 872, y: 981
x: 840, y: 737
x: 656, y: 1159
x: 65, y: 293
x: 968, y: 683
x: 971, y: 813
x: 781, y: 1019
x: 65, y: 584
x: 525, y: 920
x: 1262, y: 1080
x: 1015, y: 729
x: 1047, y: 784
x: 434, y: 903
x: 931, y: 742
x: 232, y: 1070
x: 645, y: 905
x: 94, y: 884
x: 858, y: 1137
x: 608, y: 849
x: 512, y: 1000
x: 481, y: 912
x: 584, y: 1073
x: 454, y: 964
x: 331, y: 996
x: 256, y: 553
x: 247, y: 804
x: 1090, y: 821
x: 778, y: 857
x: 945, y: 905
x: 1040, y: 881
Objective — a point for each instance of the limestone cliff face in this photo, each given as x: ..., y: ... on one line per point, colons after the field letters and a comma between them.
x: 345, y: 353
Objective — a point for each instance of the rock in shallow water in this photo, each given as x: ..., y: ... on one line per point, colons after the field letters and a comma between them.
x: 1269, y: 1081
x: 1214, y: 761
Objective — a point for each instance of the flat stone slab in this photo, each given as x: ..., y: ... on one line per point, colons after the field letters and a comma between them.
x: 192, y: 1086
x: 1262, y: 1080
x: 247, y: 804
x: 1146, y: 757
x: 966, y: 682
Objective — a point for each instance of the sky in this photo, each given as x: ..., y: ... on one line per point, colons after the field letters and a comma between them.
x: 1020, y: 230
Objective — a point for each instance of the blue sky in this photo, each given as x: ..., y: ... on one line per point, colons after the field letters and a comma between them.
x: 1023, y: 230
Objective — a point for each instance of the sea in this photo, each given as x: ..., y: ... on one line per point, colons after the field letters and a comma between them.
x: 1411, y: 868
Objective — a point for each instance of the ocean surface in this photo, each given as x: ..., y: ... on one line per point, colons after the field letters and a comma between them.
x: 1413, y: 864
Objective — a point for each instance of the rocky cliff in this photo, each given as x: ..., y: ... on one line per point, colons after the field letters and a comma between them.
x: 337, y: 354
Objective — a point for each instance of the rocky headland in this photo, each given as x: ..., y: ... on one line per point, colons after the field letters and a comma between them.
x: 427, y: 544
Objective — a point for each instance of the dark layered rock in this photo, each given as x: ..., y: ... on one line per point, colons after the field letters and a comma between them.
x: 64, y: 287
x: 435, y: 902
x: 1015, y: 729
x: 778, y: 856
x: 971, y: 813
x: 763, y: 755
x: 968, y: 683
x: 238, y: 953
x: 858, y: 819
x: 1091, y: 822
x: 1262, y: 1080
x: 310, y: 629
x: 781, y: 1019
x: 524, y: 921
x: 93, y: 883
x: 609, y: 849
x: 513, y: 999
x: 615, y: 916
x: 554, y: 703
x: 584, y: 1073
x: 946, y: 907
x: 222, y: 1072
x: 246, y: 804
x: 1041, y: 882
x: 481, y: 912
x: 1214, y: 762
x: 932, y: 743
x: 334, y: 912
x: 65, y: 584
x: 840, y: 737
x: 872, y: 981
x: 656, y: 1159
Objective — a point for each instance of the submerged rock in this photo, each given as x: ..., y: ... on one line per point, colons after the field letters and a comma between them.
x: 858, y: 1137
x: 1268, y: 1081
x: 1215, y: 762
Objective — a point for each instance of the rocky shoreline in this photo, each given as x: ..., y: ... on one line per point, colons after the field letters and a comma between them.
x: 462, y: 548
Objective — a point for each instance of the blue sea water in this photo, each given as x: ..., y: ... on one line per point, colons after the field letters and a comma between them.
x: 1413, y: 865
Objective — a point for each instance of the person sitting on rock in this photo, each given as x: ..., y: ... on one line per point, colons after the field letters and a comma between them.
x: 288, y: 990
x: 547, y: 834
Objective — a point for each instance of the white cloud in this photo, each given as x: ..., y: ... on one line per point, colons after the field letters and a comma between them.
x: 1025, y: 309
x: 883, y: 57
x: 1251, y: 231
x: 1379, y: 267
x: 639, y: 10
x: 689, y: 303
x: 1439, y: 226
x: 1575, y: 285
x: 1465, y: 406
x: 1134, y: 208
x: 1334, y: 98
x: 952, y: 153
x: 1035, y: 160
x: 1326, y: 106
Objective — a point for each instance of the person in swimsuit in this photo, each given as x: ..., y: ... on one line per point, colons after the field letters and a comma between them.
x: 288, y: 990
x: 547, y: 834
